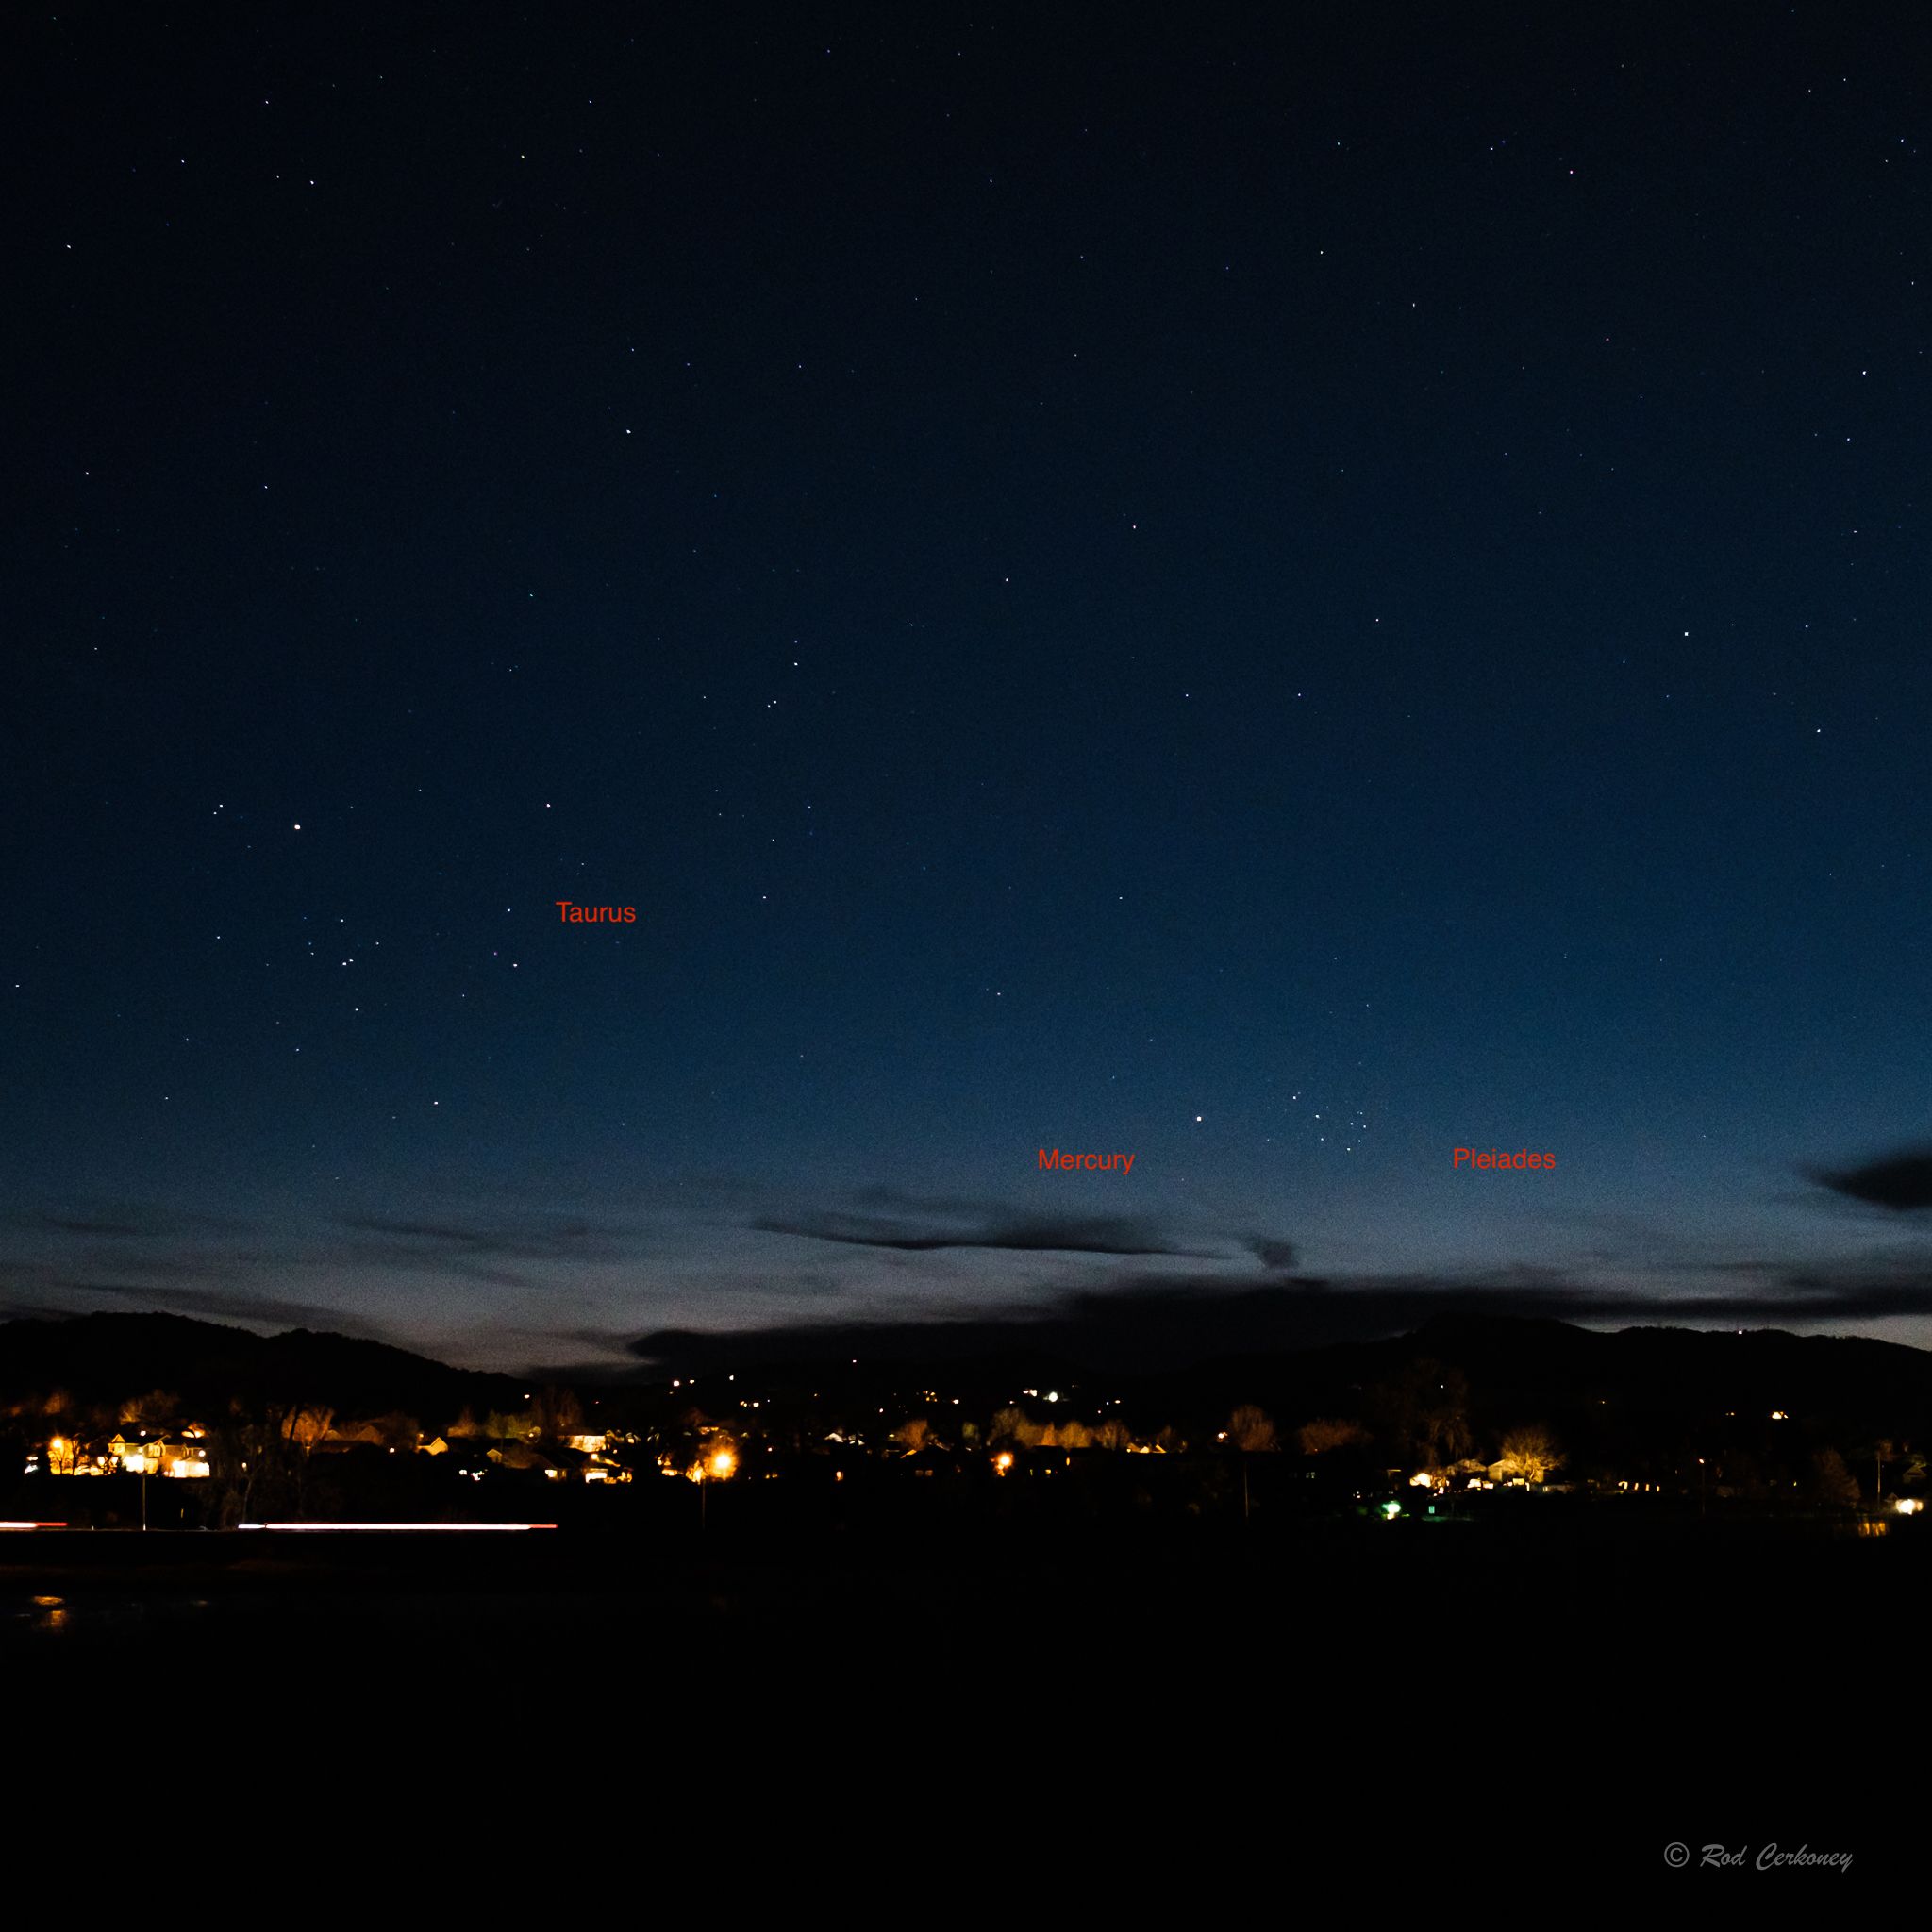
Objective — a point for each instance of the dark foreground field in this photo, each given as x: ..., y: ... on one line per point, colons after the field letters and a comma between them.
x: 1578, y: 1693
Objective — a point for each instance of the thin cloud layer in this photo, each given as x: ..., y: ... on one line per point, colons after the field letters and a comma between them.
x: 1271, y: 1252
x: 891, y: 1271
x: 128, y: 1221
x: 1071, y: 1234
x: 526, y: 1237
x: 1900, y: 1181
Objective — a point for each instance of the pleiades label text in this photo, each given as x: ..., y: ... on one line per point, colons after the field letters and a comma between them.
x: 1469, y: 1156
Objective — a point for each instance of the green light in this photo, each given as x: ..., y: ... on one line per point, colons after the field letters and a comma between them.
x: 1390, y: 1511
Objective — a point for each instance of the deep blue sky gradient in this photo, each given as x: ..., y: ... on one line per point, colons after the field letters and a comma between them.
x: 1281, y: 596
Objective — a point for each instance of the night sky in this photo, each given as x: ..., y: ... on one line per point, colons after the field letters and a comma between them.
x: 1280, y: 592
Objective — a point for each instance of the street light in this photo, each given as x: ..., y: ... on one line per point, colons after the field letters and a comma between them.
x: 714, y: 1468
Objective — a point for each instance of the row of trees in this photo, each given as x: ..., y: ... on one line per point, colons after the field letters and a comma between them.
x: 1437, y: 1441
x: 259, y: 1452
x: 1418, y: 1419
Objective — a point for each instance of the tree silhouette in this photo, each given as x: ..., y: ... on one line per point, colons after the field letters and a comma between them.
x: 1424, y: 1410
x: 1016, y: 1426
x: 1250, y: 1430
x: 1832, y: 1483
x: 156, y: 1409
x: 1530, y: 1453
x: 558, y: 1414
x: 508, y: 1431
x: 1324, y: 1433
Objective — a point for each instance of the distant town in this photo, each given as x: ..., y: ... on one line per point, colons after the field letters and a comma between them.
x: 237, y: 1430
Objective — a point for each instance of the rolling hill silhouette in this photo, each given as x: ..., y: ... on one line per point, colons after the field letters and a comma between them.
x: 108, y: 1359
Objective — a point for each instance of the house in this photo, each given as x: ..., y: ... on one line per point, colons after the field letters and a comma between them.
x: 515, y: 1455
x: 593, y: 1466
x: 137, y: 1453
x: 134, y: 1453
